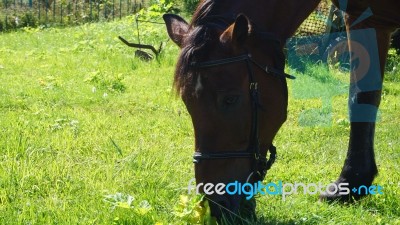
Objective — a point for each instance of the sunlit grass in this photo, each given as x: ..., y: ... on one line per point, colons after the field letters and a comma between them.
x: 89, y: 134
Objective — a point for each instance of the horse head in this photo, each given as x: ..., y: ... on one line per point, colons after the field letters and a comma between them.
x: 230, y: 77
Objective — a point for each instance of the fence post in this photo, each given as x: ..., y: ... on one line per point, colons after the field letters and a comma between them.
x: 98, y: 10
x: 54, y: 11
x: 47, y: 9
x: 61, y: 12
x: 90, y: 10
x: 69, y: 11
x: 113, y: 9
x: 6, y: 19
x: 39, y: 11
x: 76, y: 11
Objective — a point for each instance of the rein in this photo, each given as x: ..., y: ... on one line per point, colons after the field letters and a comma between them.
x: 261, y: 165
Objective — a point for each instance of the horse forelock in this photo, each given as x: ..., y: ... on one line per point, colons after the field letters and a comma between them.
x: 203, y: 10
x: 196, y: 49
x: 202, y: 37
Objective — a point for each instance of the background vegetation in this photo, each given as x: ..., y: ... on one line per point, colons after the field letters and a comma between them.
x: 89, y: 134
x: 16, y: 14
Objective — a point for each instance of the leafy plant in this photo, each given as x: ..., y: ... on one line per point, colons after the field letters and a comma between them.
x: 29, y: 20
x: 106, y: 81
x: 1, y: 26
x: 194, y: 210
x: 126, y: 201
x: 190, y: 5
x: 155, y: 11
x: 393, y: 61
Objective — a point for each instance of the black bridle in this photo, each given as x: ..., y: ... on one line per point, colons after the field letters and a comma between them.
x: 261, y: 165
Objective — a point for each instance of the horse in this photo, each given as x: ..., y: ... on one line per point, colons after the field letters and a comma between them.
x: 230, y: 76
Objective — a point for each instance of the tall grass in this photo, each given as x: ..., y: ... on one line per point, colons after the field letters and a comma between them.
x: 92, y: 135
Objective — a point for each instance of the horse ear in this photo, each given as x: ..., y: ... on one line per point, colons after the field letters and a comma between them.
x: 177, y: 28
x: 238, y: 32
x: 242, y: 29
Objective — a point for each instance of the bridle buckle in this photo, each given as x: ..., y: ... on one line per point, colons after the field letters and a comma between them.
x: 257, y: 156
x: 253, y: 86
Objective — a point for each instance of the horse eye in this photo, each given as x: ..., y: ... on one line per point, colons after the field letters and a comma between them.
x: 230, y: 100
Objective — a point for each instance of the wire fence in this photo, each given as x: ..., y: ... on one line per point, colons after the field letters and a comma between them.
x: 317, y: 22
x: 22, y: 13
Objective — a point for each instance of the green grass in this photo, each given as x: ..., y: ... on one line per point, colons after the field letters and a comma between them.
x: 89, y: 134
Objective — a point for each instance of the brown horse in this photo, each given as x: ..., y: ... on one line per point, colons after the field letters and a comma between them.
x: 230, y: 77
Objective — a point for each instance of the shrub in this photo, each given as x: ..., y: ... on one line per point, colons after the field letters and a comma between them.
x: 29, y: 20
x: 190, y: 5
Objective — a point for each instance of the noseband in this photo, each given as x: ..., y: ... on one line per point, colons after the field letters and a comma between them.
x: 261, y: 164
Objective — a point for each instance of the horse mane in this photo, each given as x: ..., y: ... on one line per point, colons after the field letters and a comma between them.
x: 203, y: 10
x: 197, y: 43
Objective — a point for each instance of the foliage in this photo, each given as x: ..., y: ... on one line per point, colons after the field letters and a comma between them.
x: 155, y: 11
x: 29, y: 20
x: 126, y: 201
x: 193, y: 209
x: 18, y: 14
x: 148, y: 22
x: 393, y: 65
x: 18, y: 19
x: 106, y: 81
x: 190, y: 5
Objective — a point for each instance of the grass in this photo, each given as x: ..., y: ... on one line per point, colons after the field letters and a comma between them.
x: 92, y: 135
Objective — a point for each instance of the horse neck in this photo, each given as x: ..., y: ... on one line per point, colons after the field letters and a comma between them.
x: 281, y: 17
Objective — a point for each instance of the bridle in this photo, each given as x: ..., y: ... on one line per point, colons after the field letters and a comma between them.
x: 261, y: 165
